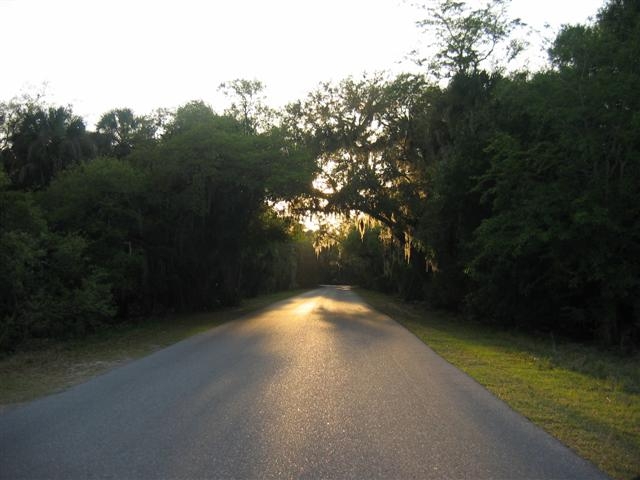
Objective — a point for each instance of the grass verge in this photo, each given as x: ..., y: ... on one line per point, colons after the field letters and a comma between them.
x: 587, y: 398
x: 29, y: 374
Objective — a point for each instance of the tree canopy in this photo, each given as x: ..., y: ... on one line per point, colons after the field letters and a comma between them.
x: 509, y: 197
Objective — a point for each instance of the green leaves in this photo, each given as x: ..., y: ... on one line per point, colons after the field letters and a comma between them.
x: 47, y: 285
x: 563, y: 236
x: 467, y: 37
x: 180, y: 221
x: 248, y: 105
x: 358, y: 131
x: 40, y: 142
x: 119, y: 131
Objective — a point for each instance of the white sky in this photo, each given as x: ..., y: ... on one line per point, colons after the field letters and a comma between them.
x: 99, y: 55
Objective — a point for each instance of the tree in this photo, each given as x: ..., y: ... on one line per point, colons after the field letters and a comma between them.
x: 104, y: 201
x: 40, y: 141
x: 48, y: 288
x: 189, y: 116
x: 560, y: 250
x: 358, y: 132
x: 248, y: 104
x: 466, y: 37
x: 119, y: 131
x: 209, y: 233
x: 365, y: 259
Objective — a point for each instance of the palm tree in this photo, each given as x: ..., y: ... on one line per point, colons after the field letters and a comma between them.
x: 43, y: 142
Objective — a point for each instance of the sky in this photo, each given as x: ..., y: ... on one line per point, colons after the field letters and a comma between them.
x: 98, y: 55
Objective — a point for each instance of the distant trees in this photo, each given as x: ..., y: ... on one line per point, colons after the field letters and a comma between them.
x: 139, y: 220
x: 357, y: 131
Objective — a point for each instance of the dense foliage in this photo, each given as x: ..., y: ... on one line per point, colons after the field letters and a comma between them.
x: 514, y: 198
x: 511, y: 197
x: 136, y: 222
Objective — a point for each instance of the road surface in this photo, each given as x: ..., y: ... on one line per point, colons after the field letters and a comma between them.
x: 318, y: 386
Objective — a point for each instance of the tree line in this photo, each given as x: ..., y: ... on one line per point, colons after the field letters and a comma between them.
x: 143, y: 216
x: 511, y: 197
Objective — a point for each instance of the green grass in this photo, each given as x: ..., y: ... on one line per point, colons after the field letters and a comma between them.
x: 587, y: 398
x: 55, y: 366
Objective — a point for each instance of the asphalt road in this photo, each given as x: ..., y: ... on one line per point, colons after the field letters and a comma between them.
x: 318, y: 386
